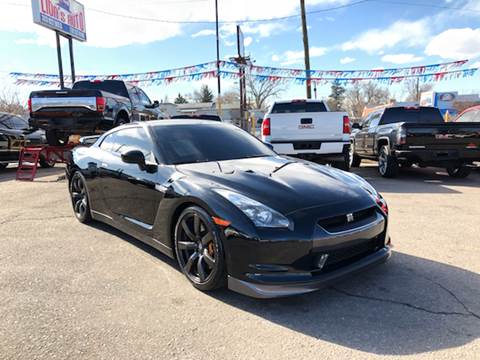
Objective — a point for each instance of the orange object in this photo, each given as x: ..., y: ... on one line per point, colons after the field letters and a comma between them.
x: 221, y: 222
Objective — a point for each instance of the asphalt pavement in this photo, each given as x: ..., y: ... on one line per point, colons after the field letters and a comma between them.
x: 71, y: 291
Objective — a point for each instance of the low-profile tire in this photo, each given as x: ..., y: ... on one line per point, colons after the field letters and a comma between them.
x: 3, y: 166
x: 459, y: 172
x: 79, y: 196
x: 387, y: 164
x: 55, y: 138
x: 355, y: 160
x: 199, y: 249
x: 44, y: 163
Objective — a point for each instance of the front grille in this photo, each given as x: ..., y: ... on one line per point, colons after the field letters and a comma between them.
x: 342, y: 223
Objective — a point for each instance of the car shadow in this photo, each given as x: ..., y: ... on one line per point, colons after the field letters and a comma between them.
x: 417, y: 180
x: 407, y: 306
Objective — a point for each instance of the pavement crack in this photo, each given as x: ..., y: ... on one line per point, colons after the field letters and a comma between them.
x: 406, y: 304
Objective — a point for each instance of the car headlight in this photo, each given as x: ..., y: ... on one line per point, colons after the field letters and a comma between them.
x: 261, y: 215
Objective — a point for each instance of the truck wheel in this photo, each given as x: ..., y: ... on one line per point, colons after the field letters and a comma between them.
x: 460, y: 172
x: 345, y: 163
x: 355, y: 160
x: 44, y: 163
x: 122, y: 120
x: 387, y: 164
x: 56, y: 138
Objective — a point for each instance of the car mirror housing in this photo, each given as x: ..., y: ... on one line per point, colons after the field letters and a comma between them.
x: 134, y: 157
x: 357, y: 126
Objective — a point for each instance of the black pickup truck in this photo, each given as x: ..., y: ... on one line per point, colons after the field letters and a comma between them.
x: 88, y: 108
x: 402, y: 136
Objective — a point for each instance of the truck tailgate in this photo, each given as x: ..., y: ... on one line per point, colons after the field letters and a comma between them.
x: 307, y: 126
x: 443, y: 136
x: 55, y: 99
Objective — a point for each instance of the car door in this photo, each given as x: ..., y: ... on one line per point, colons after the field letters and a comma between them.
x: 370, y: 133
x: 151, y: 113
x: 138, y: 109
x: 130, y: 194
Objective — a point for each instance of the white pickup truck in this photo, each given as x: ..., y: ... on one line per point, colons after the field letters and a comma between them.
x: 307, y: 129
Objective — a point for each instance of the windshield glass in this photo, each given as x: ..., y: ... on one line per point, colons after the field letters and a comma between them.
x: 193, y: 143
x: 298, y: 107
x: 413, y: 115
x: 111, y: 86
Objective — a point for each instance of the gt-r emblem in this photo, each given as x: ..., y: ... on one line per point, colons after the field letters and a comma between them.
x: 350, y: 218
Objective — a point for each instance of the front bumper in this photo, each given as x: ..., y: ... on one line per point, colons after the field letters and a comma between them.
x: 319, y: 250
x: 268, y: 291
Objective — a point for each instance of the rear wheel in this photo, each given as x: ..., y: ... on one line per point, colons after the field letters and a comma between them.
x: 459, y: 172
x: 199, y: 249
x: 122, y: 120
x: 56, y: 138
x: 79, y: 196
x: 355, y: 160
x: 345, y: 163
x: 387, y: 164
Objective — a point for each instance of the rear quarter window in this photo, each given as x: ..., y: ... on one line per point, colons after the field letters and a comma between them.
x: 298, y: 107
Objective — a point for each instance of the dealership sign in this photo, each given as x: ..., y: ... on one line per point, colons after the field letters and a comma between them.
x: 65, y: 16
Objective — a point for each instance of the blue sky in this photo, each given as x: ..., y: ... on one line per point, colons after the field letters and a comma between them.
x: 371, y: 34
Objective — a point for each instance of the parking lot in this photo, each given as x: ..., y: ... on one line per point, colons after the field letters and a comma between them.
x: 73, y: 291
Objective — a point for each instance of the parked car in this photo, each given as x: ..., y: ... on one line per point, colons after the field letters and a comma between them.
x: 307, y: 129
x: 89, y: 107
x: 400, y: 136
x: 15, y: 134
x: 469, y: 115
x: 228, y: 208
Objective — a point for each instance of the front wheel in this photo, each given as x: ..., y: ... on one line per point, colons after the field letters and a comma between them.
x: 387, y: 163
x: 199, y: 249
x: 79, y: 196
x: 459, y: 172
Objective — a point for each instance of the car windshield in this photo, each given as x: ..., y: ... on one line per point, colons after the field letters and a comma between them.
x: 194, y: 143
x: 412, y: 115
x: 298, y: 107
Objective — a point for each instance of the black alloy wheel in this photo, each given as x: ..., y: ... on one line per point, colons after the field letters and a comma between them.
x: 459, y: 172
x: 199, y: 249
x: 79, y: 196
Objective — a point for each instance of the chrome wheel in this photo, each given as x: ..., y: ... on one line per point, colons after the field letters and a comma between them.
x: 382, y: 163
x: 196, y: 247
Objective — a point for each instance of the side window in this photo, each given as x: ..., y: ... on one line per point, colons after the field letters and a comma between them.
x: 18, y: 123
x: 366, y: 122
x: 144, y: 99
x: 109, y: 142
x: 375, y: 120
x: 133, y: 139
x: 132, y: 92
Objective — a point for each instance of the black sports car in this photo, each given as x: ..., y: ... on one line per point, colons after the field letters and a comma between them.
x: 228, y: 208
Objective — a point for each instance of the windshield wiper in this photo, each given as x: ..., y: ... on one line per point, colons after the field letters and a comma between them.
x: 281, y: 167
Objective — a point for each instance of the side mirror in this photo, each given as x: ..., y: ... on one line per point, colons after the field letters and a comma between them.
x: 155, y: 104
x: 134, y: 157
x: 357, y: 126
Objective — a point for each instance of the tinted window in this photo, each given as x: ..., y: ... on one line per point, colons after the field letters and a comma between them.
x: 144, y: 99
x: 111, y: 86
x: 298, y: 107
x: 414, y: 115
x: 19, y: 123
x: 201, y: 117
x: 126, y: 140
x: 191, y: 143
x: 132, y: 92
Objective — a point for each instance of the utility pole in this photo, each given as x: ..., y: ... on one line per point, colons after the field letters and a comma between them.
x: 306, y: 48
x: 219, y: 89
x: 243, y: 61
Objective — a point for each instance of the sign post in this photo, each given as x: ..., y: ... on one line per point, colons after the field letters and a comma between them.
x: 67, y: 19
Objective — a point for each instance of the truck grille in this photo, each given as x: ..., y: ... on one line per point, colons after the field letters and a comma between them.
x: 342, y: 223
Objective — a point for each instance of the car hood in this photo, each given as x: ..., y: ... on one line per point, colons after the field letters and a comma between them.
x: 285, y: 184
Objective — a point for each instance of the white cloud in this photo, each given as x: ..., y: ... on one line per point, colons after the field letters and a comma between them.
x: 475, y: 65
x: 347, y: 60
x: 455, y: 44
x: 291, y: 57
x: 205, y: 32
x: 401, y: 58
x: 275, y: 58
x: 247, y: 41
x: 409, y: 33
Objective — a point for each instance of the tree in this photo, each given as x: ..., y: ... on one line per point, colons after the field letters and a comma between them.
x: 10, y: 103
x: 205, y: 95
x: 230, y: 97
x: 412, y: 93
x: 263, y: 91
x: 180, y: 99
x: 365, y: 94
x: 336, y: 98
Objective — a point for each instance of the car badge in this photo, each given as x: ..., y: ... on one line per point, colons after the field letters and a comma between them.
x: 350, y: 218
x: 322, y: 260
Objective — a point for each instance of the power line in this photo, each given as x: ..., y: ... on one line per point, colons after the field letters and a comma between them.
x: 444, y: 7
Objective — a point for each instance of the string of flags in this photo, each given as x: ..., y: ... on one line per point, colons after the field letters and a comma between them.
x: 229, y: 70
